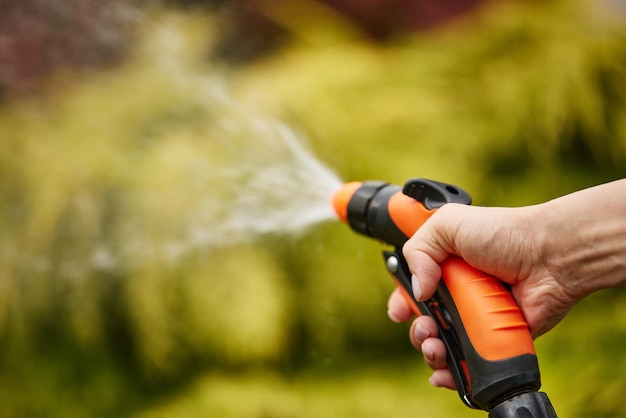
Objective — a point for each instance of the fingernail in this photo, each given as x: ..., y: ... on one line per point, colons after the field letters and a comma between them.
x: 415, y: 285
x: 420, y: 333
x: 432, y: 381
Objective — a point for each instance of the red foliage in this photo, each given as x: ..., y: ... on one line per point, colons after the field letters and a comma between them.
x: 38, y: 37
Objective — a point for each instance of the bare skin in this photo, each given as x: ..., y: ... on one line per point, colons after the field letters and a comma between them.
x: 553, y: 255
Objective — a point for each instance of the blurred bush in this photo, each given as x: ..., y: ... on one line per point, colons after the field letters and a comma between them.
x: 117, y: 291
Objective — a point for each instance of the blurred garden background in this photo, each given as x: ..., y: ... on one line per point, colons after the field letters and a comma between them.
x: 150, y: 264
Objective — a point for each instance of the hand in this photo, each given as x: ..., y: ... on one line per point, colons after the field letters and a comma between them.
x: 499, y: 241
x: 552, y: 255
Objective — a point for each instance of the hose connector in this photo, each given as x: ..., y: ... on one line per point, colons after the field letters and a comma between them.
x: 525, y: 405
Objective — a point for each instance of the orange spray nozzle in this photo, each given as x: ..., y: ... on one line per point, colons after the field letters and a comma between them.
x: 342, y: 197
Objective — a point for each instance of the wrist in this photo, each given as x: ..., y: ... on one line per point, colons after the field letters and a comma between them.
x: 581, y: 239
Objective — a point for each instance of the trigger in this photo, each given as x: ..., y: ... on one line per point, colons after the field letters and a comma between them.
x: 439, y: 315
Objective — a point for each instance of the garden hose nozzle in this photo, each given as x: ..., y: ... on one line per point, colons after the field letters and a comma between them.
x: 490, y: 349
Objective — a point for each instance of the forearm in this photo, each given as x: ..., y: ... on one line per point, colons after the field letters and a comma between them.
x: 582, y: 238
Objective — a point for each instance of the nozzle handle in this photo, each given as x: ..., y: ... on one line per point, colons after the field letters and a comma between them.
x: 490, y: 350
x: 489, y: 347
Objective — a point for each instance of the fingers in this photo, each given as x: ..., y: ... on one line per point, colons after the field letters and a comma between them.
x: 434, y: 352
x: 442, y: 378
x: 423, y: 327
x: 423, y: 253
x: 426, y: 273
x: 423, y: 332
x: 423, y: 336
x: 398, y: 309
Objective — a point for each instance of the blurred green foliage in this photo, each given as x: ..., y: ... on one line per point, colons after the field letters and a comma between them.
x: 103, y: 313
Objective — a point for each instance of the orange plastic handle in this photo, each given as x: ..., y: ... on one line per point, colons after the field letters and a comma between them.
x: 493, y: 321
x: 407, y: 213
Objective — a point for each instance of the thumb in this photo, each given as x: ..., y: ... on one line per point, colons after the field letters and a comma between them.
x: 426, y: 249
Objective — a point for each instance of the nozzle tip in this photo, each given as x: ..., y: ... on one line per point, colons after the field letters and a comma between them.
x: 342, y: 197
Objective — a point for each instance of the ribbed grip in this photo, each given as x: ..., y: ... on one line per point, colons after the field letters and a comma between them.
x: 491, y: 318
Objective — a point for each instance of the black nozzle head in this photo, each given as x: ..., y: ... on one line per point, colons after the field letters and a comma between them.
x: 359, y: 205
